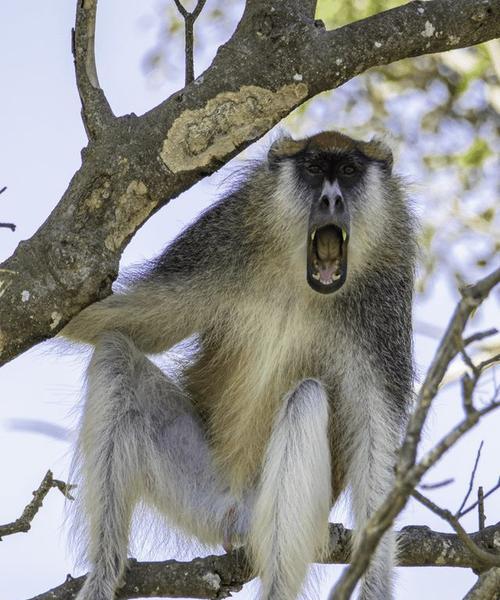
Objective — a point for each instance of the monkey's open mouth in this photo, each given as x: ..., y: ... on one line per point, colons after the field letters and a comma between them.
x: 327, y: 258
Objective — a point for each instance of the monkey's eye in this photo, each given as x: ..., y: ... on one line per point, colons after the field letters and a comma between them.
x: 348, y: 169
x: 313, y: 169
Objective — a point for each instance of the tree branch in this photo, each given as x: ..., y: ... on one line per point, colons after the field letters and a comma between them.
x: 23, y: 523
x: 134, y: 165
x: 96, y: 112
x: 471, y: 481
x: 217, y: 576
x: 486, y: 587
x: 448, y: 348
x: 473, y: 506
x: 189, y: 20
x: 487, y: 558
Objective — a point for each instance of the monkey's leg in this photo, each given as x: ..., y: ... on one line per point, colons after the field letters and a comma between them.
x: 373, y: 436
x: 289, y: 528
x: 140, y: 438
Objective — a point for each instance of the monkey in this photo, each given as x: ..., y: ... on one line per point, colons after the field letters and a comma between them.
x: 296, y: 288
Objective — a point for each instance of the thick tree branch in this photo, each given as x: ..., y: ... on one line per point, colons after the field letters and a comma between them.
x: 487, y: 586
x: 217, y: 576
x: 135, y: 165
x: 96, y: 112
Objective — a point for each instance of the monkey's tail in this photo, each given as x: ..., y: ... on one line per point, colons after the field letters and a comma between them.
x: 290, y: 524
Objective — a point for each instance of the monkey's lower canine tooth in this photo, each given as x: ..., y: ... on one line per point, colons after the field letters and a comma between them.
x: 315, y: 275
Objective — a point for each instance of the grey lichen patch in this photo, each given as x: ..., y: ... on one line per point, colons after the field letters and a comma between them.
x: 95, y: 200
x: 226, y: 121
x: 213, y: 581
x: 55, y: 319
x: 132, y: 209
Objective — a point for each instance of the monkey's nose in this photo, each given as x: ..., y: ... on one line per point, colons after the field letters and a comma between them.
x: 334, y: 204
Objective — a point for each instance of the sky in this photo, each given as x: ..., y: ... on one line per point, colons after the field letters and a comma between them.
x: 41, y: 136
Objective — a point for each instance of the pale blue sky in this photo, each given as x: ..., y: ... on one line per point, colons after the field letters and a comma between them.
x: 41, y: 136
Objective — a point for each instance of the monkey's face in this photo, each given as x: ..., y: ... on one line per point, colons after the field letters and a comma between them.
x: 331, y: 170
x: 333, y: 179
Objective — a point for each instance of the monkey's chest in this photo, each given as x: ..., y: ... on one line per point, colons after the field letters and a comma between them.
x: 238, y: 384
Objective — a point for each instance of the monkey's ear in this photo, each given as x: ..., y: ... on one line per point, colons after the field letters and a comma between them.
x: 377, y: 149
x: 284, y: 147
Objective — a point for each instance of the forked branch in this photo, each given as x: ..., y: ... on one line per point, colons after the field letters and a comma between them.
x: 23, y: 523
x: 189, y: 20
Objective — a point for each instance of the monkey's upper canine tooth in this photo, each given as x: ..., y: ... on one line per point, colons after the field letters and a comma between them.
x: 315, y: 275
x: 344, y: 234
x: 313, y: 234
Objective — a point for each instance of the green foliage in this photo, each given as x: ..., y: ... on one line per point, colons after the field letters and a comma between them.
x: 336, y: 14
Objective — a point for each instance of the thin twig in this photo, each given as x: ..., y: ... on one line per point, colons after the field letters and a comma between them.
x: 189, y: 19
x: 480, y: 508
x: 23, y: 523
x: 473, y: 506
x: 488, y: 558
x: 480, y: 335
x: 439, y: 484
x: 471, y: 480
x: 488, y: 362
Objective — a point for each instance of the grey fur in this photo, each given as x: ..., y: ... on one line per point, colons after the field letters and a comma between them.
x: 277, y: 364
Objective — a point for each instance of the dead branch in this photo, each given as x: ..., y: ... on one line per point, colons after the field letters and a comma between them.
x: 482, y: 498
x: 471, y: 481
x: 23, y: 523
x: 189, y: 20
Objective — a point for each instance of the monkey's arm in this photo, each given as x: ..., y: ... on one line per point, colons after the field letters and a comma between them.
x: 182, y: 290
x: 153, y: 314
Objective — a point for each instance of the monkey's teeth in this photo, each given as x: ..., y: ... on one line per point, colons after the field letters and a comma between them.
x: 315, y: 275
x: 313, y: 234
x: 344, y: 236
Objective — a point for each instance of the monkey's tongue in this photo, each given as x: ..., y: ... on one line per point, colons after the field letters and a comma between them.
x: 328, y: 253
x: 329, y: 271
